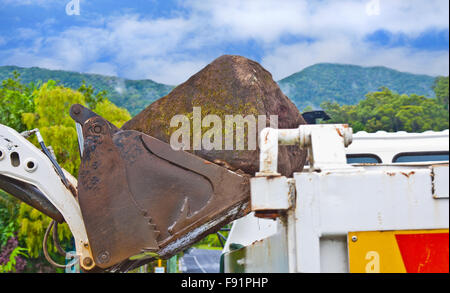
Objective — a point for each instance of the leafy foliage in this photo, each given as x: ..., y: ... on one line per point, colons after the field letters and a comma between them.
x: 134, y: 95
x: 51, y: 116
x: 209, y: 242
x: 8, y: 214
x: 212, y: 241
x: 32, y: 228
x: 441, y: 89
x: 91, y: 99
x: 112, y: 113
x: 48, y: 110
x: 11, y: 254
x: 389, y: 111
x: 12, y: 257
x: 14, y: 101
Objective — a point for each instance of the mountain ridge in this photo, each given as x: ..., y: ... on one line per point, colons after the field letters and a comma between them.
x: 348, y: 83
x: 342, y: 83
x: 134, y: 95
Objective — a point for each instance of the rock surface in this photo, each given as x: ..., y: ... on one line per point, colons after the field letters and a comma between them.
x: 230, y: 85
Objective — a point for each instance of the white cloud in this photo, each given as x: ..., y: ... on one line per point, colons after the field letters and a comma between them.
x: 171, y: 49
x: 137, y: 48
x: 288, y: 59
x: 168, y: 71
x: 267, y: 20
x: 337, y: 30
x: 30, y: 2
x: 263, y: 20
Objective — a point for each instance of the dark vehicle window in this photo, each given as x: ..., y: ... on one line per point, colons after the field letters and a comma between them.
x: 420, y: 157
x: 363, y: 159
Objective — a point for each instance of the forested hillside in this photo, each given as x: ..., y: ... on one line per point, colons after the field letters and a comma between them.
x: 344, y: 84
x: 348, y: 84
x: 134, y: 95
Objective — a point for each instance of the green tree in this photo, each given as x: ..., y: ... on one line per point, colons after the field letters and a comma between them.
x: 441, y: 89
x: 390, y: 111
x: 112, y: 113
x: 46, y: 108
x: 51, y: 116
x: 15, y: 99
x: 91, y: 99
x: 308, y: 109
x: 8, y: 215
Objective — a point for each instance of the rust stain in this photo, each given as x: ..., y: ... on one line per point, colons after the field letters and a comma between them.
x: 73, y: 190
x: 257, y: 241
x: 391, y: 173
x: 339, y: 132
x: 433, y: 188
x: 408, y: 174
x: 268, y: 214
x: 222, y: 163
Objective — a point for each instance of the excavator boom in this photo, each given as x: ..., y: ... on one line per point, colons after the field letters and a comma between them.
x: 137, y: 196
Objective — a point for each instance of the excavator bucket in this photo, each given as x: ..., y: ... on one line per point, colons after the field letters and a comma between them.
x: 138, y: 195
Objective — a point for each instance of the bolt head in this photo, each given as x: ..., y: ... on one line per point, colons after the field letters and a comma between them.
x: 87, y: 262
x: 76, y: 110
x: 103, y: 257
x: 97, y: 129
x: 354, y: 238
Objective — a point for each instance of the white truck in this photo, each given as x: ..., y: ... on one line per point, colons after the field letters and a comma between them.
x: 377, y: 204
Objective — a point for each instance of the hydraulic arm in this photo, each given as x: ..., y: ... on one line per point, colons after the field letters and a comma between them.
x: 134, y: 195
x: 29, y: 174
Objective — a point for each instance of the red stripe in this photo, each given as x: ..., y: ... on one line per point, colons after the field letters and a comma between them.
x: 424, y: 253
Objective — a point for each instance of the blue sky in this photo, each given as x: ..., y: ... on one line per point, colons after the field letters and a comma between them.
x: 168, y: 41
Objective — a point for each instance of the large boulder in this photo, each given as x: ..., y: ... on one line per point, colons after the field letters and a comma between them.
x: 230, y: 85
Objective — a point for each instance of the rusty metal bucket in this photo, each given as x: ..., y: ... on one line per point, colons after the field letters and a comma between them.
x: 138, y: 195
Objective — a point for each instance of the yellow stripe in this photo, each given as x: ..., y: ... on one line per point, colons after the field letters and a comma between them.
x: 378, y: 251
